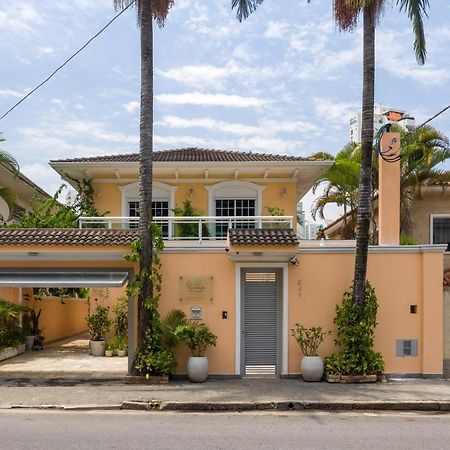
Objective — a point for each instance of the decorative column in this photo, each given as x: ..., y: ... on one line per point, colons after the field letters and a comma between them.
x: 389, y: 190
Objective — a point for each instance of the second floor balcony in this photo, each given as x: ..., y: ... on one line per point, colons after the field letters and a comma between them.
x: 198, y: 228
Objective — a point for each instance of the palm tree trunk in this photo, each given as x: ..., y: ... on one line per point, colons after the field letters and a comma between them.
x: 145, y: 166
x: 365, y: 183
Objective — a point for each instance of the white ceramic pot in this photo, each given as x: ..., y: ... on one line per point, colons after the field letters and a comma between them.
x: 29, y: 342
x: 197, y: 369
x: 121, y: 353
x: 108, y: 352
x: 97, y: 348
x: 312, y: 368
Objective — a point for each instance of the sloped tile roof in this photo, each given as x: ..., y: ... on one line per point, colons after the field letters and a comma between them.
x: 66, y: 236
x: 262, y: 237
x: 189, y: 155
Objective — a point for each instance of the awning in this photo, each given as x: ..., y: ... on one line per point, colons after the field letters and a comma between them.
x: 48, y: 278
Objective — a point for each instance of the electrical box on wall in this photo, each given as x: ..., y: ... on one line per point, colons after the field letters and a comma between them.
x: 196, y: 312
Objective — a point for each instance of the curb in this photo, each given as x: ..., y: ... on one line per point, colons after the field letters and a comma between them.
x: 157, y: 405
x: 66, y: 407
x: 305, y: 405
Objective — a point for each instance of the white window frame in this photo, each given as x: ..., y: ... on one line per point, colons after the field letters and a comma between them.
x: 235, y: 190
x: 436, y: 216
x: 161, y: 192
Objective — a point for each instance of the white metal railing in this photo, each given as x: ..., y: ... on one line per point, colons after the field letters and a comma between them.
x: 192, y: 228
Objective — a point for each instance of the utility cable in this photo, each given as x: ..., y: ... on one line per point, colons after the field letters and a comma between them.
x: 434, y: 117
x: 67, y: 60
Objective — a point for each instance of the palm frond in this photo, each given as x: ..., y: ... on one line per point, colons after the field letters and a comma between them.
x: 416, y: 10
x: 10, y: 199
x: 7, y: 160
x: 244, y: 7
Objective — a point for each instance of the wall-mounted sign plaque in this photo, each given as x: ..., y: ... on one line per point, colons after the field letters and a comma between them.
x: 196, y: 288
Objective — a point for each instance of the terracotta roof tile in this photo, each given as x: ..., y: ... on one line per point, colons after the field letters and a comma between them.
x: 189, y: 155
x: 66, y: 236
x: 262, y: 237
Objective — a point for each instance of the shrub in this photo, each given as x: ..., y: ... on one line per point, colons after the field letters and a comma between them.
x: 155, y: 363
x: 309, y: 339
x: 98, y: 323
x: 198, y: 337
x: 355, y: 337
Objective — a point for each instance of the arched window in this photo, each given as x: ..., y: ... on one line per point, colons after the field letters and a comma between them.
x: 234, y: 199
x: 163, y: 201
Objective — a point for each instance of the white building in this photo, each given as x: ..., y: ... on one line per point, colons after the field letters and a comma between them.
x: 380, y: 118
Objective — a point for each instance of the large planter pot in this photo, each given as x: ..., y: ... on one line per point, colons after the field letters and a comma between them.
x: 97, y: 348
x: 121, y: 353
x: 197, y: 369
x: 312, y: 368
x: 29, y: 342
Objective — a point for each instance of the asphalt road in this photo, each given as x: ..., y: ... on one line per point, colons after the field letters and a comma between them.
x: 138, y: 430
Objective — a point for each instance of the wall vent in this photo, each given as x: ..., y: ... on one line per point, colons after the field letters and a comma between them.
x: 407, y: 347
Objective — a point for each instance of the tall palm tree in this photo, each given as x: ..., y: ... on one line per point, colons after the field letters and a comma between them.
x: 346, y: 13
x: 8, y: 161
x: 147, y: 10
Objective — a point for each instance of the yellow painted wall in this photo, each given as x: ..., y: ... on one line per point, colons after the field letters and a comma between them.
x: 315, y: 287
x: 62, y: 320
x: 279, y: 195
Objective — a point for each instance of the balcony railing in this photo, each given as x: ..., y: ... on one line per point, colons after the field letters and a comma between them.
x: 196, y: 228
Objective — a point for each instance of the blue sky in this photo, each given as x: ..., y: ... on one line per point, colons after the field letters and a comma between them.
x: 284, y: 81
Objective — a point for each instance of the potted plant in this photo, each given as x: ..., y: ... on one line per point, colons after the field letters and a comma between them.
x: 309, y: 340
x: 98, y: 324
x: 198, y: 338
x: 121, y: 345
x: 109, y: 348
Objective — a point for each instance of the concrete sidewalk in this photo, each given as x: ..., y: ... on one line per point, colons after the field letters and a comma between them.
x: 235, y: 395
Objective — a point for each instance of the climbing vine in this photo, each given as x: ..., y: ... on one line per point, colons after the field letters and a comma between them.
x: 355, y: 335
x: 152, y: 358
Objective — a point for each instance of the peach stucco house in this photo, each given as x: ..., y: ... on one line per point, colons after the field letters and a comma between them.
x: 240, y: 270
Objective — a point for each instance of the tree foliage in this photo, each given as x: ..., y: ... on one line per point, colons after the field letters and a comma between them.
x: 51, y: 213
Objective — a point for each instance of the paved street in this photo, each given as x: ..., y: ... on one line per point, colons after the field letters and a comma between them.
x: 128, y: 430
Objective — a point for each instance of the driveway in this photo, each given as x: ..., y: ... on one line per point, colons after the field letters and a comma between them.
x: 67, y: 360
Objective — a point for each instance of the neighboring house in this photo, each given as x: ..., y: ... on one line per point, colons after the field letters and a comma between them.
x: 23, y: 189
x: 430, y: 217
x: 235, y: 267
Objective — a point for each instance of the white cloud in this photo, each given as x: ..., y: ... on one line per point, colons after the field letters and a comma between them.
x: 132, y: 106
x: 198, y: 98
x: 276, y: 30
x: 43, y: 175
x: 329, y: 110
x: 396, y: 56
x: 209, y: 124
x: 45, y: 50
x: 19, y: 18
x: 11, y: 93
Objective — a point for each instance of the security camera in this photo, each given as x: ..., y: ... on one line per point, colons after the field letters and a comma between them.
x: 294, y: 261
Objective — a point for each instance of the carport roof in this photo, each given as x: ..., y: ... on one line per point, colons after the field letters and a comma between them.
x: 62, y: 278
x: 67, y: 236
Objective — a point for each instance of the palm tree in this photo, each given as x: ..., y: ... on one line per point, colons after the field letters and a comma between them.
x: 423, y: 151
x: 8, y: 161
x: 341, y: 186
x: 147, y: 10
x: 346, y: 14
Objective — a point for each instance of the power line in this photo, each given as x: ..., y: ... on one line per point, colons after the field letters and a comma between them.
x: 67, y: 60
x: 434, y: 117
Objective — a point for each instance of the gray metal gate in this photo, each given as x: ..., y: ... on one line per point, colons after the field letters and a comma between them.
x: 260, y: 312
